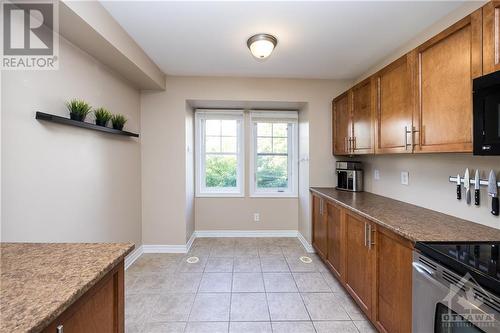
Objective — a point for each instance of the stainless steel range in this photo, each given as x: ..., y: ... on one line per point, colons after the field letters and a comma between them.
x: 456, y: 287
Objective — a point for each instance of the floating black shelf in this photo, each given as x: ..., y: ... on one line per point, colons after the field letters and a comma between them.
x: 82, y: 124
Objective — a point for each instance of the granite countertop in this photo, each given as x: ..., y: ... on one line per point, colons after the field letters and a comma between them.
x: 410, y: 221
x: 39, y: 281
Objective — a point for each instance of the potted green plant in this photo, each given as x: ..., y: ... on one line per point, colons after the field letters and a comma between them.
x: 78, y: 109
x: 102, y: 116
x: 118, y: 121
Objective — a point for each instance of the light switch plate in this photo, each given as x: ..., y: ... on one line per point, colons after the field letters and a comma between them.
x: 376, y: 174
x: 405, y: 175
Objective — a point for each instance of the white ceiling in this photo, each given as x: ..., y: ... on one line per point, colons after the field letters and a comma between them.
x: 331, y: 40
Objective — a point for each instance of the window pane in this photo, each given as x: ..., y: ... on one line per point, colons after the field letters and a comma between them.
x: 264, y: 129
x: 272, y: 171
x: 280, y: 129
x: 280, y: 145
x: 212, y: 144
x: 229, y: 144
x: 228, y: 127
x: 220, y: 171
x: 212, y: 127
x: 264, y: 145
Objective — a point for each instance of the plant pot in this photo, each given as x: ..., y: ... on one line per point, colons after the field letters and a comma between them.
x: 118, y: 126
x: 101, y: 123
x: 77, y: 117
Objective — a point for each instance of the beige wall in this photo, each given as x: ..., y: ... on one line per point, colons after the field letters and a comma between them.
x: 190, y: 212
x: 429, y: 186
x: 237, y: 213
x: 163, y: 119
x: 65, y: 184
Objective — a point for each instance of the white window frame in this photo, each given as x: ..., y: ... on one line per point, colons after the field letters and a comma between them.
x: 201, y: 115
x: 290, y: 117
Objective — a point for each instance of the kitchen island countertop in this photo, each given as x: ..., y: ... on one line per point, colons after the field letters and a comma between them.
x: 412, y: 222
x: 39, y: 281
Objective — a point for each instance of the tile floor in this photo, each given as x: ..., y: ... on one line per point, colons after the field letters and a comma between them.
x: 239, y: 285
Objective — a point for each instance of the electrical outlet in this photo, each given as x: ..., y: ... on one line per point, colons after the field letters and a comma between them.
x: 405, y: 175
x: 376, y: 174
x: 256, y: 217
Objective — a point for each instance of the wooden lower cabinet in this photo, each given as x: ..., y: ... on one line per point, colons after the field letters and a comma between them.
x: 335, y: 239
x: 319, y: 240
x: 99, y: 310
x: 393, y: 282
x: 360, y: 255
x: 372, y: 263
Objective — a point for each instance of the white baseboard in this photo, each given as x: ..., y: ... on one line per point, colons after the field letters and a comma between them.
x: 157, y: 248
x: 305, y: 243
x: 245, y: 233
x: 190, y: 241
x: 133, y: 256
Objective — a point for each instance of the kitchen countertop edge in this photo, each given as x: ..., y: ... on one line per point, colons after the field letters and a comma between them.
x: 45, y: 321
x: 321, y: 191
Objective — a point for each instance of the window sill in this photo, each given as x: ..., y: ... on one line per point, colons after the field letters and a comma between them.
x: 274, y: 195
x: 219, y: 195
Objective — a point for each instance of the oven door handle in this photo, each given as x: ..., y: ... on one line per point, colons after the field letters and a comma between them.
x: 422, y: 269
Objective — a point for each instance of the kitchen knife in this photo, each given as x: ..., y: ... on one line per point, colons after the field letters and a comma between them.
x: 467, y: 186
x: 459, y: 188
x: 477, y: 185
x: 493, y: 191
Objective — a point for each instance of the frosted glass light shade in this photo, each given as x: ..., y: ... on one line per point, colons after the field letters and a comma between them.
x: 262, y: 45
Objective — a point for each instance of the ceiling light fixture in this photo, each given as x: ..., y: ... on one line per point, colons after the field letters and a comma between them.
x: 262, y: 45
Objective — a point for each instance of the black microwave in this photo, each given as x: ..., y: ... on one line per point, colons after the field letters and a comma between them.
x: 486, y: 114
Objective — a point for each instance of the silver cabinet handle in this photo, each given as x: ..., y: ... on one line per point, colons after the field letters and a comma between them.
x: 406, y: 137
x: 321, y: 207
x: 353, y: 143
x: 60, y: 329
x: 365, y: 236
x: 369, y: 236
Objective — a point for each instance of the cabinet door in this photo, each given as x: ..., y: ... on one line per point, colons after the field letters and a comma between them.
x: 359, y: 262
x: 362, y: 135
x: 491, y: 37
x: 336, y: 237
x: 394, y: 280
x: 319, y: 226
x: 100, y: 309
x: 341, y: 127
x: 394, y: 107
x: 445, y: 67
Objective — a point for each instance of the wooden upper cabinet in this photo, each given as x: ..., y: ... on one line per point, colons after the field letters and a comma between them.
x: 394, y: 279
x: 445, y: 67
x: 336, y: 237
x: 362, y: 132
x: 394, y: 108
x: 342, y: 127
x: 319, y: 236
x: 491, y: 37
